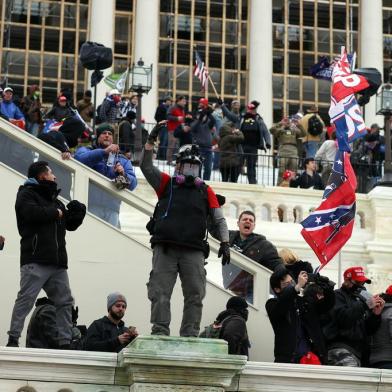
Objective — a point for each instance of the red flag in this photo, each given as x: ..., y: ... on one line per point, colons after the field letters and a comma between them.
x: 330, y: 226
x: 344, y: 81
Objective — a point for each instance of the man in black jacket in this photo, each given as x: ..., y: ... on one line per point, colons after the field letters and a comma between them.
x: 234, y: 329
x: 296, y: 319
x: 42, y: 331
x: 355, y: 317
x: 109, y: 333
x: 252, y: 245
x: 309, y: 178
x: 42, y: 223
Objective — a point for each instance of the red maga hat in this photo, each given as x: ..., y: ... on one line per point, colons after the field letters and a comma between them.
x: 356, y: 274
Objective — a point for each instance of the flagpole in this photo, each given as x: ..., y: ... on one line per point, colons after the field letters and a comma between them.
x: 213, y: 86
x: 339, y: 269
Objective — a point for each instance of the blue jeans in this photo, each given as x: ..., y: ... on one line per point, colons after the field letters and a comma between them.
x: 206, y: 154
x: 311, y: 149
x: 163, y: 139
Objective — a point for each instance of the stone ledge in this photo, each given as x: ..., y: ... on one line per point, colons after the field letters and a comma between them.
x: 271, y: 377
x: 180, y: 361
x: 57, y: 365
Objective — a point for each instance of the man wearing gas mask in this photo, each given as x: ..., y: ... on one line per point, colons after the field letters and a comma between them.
x: 355, y: 317
x: 178, y: 229
x: 296, y: 314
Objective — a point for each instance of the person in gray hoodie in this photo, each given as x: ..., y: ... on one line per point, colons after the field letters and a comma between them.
x: 381, y: 341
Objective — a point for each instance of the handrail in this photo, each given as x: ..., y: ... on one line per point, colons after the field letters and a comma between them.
x: 84, y: 174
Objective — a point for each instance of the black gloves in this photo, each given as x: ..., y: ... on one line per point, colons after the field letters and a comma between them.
x: 153, y: 136
x: 224, y: 252
x: 76, y: 207
x: 268, y: 146
x: 220, y: 101
x: 75, y: 214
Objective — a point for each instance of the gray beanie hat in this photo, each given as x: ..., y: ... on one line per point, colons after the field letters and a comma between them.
x: 115, y: 297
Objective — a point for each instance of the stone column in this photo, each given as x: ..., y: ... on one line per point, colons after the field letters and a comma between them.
x: 371, y: 48
x: 163, y: 363
x: 147, y: 48
x: 102, y: 31
x: 260, y: 57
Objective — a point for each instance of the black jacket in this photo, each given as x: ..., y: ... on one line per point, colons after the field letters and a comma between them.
x: 182, y: 136
x: 42, y: 331
x: 257, y: 248
x: 66, y: 137
x: 102, y: 335
x: 179, y: 201
x: 290, y: 316
x: 305, y: 181
x: 351, y: 324
x: 235, y: 333
x: 42, y: 232
x: 161, y: 112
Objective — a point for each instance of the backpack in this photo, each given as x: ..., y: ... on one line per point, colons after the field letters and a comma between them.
x: 213, y: 331
x: 315, y: 126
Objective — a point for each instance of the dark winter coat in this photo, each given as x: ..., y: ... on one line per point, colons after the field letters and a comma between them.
x: 229, y: 147
x: 161, y: 112
x: 351, y: 324
x: 202, y: 128
x: 182, y: 136
x: 381, y: 341
x: 291, y: 316
x: 257, y: 248
x: 102, y: 335
x: 235, y: 333
x: 59, y: 113
x: 66, y: 137
x: 42, y: 331
x: 42, y: 231
x: 306, y: 181
x: 297, y: 267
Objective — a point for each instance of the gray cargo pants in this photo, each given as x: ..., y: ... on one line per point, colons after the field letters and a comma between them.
x: 54, y: 281
x: 167, y: 262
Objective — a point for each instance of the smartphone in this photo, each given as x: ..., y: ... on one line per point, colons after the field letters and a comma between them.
x: 132, y: 330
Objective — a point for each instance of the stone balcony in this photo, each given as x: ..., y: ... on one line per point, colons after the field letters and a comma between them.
x: 158, y: 364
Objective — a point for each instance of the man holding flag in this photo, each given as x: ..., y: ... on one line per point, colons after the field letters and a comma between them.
x: 356, y: 314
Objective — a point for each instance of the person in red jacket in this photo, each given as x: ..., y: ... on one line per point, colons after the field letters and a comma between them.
x: 175, y: 117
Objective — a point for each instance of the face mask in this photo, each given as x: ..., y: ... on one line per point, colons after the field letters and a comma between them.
x: 36, y: 95
x: 189, y: 169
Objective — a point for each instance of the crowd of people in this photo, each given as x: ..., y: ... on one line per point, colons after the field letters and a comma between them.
x: 312, y: 322
x: 229, y: 138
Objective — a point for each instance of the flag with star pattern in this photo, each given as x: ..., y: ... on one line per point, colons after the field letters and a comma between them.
x: 330, y: 226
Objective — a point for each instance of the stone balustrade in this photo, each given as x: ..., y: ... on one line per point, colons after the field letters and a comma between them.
x: 155, y: 364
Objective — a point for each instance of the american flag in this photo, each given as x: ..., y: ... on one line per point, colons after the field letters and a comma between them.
x: 330, y: 226
x: 200, y: 71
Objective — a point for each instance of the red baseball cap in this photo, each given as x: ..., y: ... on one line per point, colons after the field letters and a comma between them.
x: 389, y: 290
x: 203, y: 101
x: 62, y: 98
x: 356, y: 274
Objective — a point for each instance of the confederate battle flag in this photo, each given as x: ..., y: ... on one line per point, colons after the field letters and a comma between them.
x: 329, y: 227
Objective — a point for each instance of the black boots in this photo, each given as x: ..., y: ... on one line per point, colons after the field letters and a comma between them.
x: 13, y: 342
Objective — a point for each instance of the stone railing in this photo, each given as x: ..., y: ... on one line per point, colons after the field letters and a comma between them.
x: 156, y: 364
